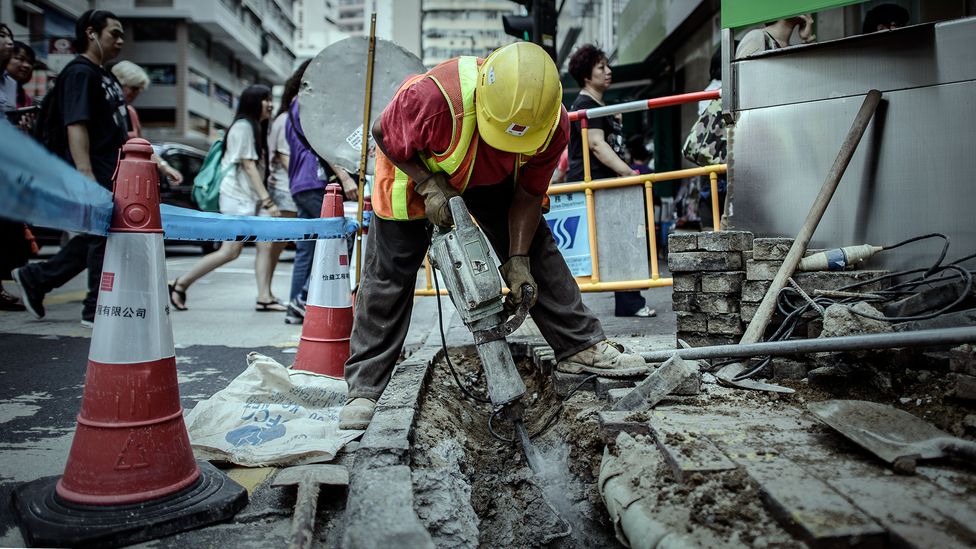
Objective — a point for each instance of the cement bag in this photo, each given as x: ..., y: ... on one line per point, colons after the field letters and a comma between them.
x: 270, y: 415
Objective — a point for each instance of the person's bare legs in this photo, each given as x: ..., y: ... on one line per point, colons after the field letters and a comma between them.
x: 228, y: 251
x: 264, y: 264
x: 276, y: 249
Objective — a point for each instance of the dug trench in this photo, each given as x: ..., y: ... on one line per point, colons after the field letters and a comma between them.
x: 471, y: 489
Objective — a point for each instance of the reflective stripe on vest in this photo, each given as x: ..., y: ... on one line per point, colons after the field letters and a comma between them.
x: 459, y: 153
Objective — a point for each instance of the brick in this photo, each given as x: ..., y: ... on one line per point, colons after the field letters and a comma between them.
x: 766, y: 249
x: 747, y: 311
x: 563, y: 383
x: 746, y: 255
x: 725, y: 241
x: 704, y: 261
x: 786, y: 368
x: 682, y: 242
x: 685, y: 302
x: 753, y: 291
x: 613, y: 423
x: 686, y: 282
x: 388, y: 436
x: 688, y: 452
x: 381, y: 507
x: 962, y: 359
x: 725, y: 324
x: 964, y: 387
x: 718, y: 303
x: 692, y: 322
x: 544, y: 359
x: 405, y: 385
x: 762, y: 270
x: 705, y: 340
x: 827, y: 280
x: 722, y: 283
x: 603, y: 385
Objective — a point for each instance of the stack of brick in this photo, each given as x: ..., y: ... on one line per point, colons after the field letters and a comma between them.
x: 707, y: 270
x: 962, y: 361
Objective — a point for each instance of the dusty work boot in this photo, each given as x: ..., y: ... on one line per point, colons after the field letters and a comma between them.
x: 356, y: 414
x: 606, y: 358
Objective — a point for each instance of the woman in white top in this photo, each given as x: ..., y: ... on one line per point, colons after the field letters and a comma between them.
x: 242, y: 192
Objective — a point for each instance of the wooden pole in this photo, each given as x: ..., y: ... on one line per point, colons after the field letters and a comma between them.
x: 363, y: 157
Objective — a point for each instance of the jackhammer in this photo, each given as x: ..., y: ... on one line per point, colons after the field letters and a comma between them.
x: 474, y: 284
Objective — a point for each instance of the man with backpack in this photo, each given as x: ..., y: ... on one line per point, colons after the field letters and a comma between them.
x: 84, y: 120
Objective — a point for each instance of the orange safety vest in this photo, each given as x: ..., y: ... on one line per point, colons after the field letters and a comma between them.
x: 393, y: 194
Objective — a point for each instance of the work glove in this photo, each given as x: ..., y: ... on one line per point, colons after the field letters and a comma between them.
x: 437, y: 191
x: 516, y: 273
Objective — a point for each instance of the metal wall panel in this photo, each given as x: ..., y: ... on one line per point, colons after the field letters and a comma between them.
x: 917, y: 56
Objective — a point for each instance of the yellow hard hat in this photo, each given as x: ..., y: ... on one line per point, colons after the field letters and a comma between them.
x: 518, y: 98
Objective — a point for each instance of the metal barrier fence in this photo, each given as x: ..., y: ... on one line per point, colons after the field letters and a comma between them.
x: 592, y: 283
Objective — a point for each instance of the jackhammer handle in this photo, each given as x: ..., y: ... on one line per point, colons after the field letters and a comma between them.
x: 506, y: 328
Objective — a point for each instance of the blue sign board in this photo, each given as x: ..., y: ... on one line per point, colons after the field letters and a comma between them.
x: 567, y: 221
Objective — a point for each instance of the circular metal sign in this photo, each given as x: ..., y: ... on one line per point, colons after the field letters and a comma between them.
x: 331, y: 98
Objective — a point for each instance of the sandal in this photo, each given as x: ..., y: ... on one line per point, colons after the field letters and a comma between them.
x: 272, y: 306
x: 181, y: 306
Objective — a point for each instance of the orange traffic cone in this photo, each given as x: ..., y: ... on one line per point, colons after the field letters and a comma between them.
x: 324, y: 346
x: 130, y: 474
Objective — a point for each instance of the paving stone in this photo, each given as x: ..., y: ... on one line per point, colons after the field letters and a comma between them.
x: 722, y: 283
x: 719, y: 303
x: 544, y: 359
x: 962, y: 359
x: 753, y: 291
x: 746, y: 255
x: 762, y: 270
x: 689, y: 386
x: 775, y: 249
x: 563, y: 383
x: 828, y: 280
x: 682, y: 242
x: 688, y: 452
x: 692, y: 322
x: 705, y: 340
x: 603, y: 385
x: 686, y: 282
x: 704, y: 261
x: 748, y: 311
x: 725, y: 241
x: 787, y: 368
x: 613, y: 423
x: 964, y: 387
x: 388, y: 436
x: 725, y: 324
x: 407, y: 382
x: 380, y: 510
x: 686, y: 302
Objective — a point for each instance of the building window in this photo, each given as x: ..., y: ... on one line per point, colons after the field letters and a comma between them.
x: 199, y: 38
x: 223, y: 58
x: 157, y: 118
x: 198, y: 123
x: 198, y: 81
x: 159, y: 30
x: 164, y: 75
x: 224, y: 96
x: 154, y: 3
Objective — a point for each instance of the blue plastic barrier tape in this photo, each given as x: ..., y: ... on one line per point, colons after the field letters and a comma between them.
x: 186, y: 224
x: 39, y: 188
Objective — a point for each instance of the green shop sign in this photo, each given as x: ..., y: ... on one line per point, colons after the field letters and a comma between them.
x: 742, y: 13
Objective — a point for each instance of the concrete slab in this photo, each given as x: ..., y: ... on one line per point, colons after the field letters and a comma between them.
x: 688, y: 452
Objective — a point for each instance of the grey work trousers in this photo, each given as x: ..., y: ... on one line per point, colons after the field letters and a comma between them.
x: 395, y: 253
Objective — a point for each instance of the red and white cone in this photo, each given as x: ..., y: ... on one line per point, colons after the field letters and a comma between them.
x: 131, y: 445
x: 324, y: 346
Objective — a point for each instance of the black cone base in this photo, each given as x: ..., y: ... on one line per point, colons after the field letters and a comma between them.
x: 47, y: 520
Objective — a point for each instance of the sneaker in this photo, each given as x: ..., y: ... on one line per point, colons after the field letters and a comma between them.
x: 356, y: 414
x: 88, y: 323
x: 293, y: 319
x: 296, y: 312
x: 33, y: 299
x: 646, y: 312
x: 606, y: 358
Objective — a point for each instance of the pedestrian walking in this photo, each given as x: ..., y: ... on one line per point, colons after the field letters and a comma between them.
x: 308, y: 175
x: 8, y: 86
x: 134, y: 81
x: 92, y: 114
x: 590, y: 68
x: 490, y: 131
x: 242, y: 192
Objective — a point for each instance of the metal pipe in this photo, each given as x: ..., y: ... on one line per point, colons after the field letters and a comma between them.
x: 592, y: 286
x: 713, y: 181
x: 617, y: 182
x: 921, y: 338
x: 644, y: 104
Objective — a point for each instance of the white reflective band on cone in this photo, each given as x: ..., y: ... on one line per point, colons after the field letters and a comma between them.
x: 132, y: 316
x: 328, y: 285
x: 359, y: 257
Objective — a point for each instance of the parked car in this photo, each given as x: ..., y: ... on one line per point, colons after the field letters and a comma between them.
x: 187, y: 160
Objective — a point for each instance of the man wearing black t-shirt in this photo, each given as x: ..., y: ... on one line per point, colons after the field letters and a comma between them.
x: 94, y: 117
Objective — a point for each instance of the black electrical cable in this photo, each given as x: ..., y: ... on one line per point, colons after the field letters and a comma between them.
x: 795, y: 313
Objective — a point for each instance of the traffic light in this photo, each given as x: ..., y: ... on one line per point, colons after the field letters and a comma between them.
x: 539, y: 26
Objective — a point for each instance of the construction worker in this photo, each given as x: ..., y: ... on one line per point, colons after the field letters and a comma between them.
x: 491, y: 131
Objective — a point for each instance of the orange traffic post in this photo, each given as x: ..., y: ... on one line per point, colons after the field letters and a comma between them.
x: 130, y: 474
x: 324, y: 346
